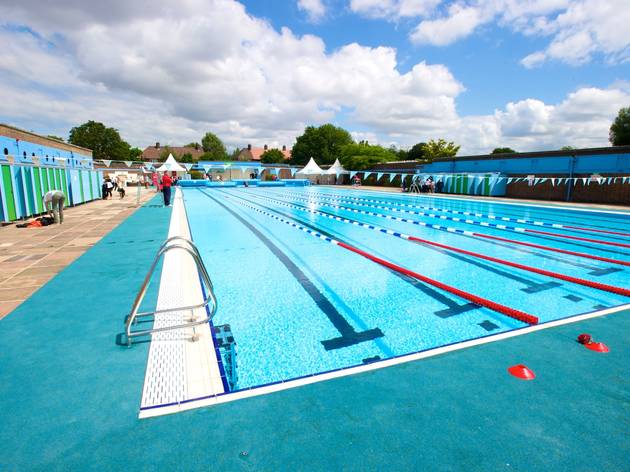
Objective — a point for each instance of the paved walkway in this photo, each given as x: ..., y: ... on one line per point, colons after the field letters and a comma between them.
x: 30, y: 257
x: 591, y: 206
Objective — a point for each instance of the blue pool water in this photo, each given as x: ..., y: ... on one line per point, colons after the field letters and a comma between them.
x: 298, y: 305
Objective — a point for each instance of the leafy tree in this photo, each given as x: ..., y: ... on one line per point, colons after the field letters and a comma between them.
x: 364, y: 156
x: 401, y: 154
x: 440, y: 148
x: 619, y: 134
x: 272, y: 156
x: 503, y: 150
x: 322, y: 143
x: 186, y: 157
x: 104, y: 142
x: 233, y: 156
x: 417, y: 151
x: 193, y: 145
x: 135, y: 154
x: 56, y: 138
x: 213, y: 147
x: 567, y: 148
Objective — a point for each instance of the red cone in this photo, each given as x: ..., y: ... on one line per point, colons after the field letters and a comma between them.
x: 597, y: 347
x: 521, y: 371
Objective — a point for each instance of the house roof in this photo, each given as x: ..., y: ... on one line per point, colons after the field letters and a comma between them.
x: 152, y: 153
x: 255, y: 153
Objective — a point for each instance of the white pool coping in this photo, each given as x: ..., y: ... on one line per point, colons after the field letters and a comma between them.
x: 178, y: 368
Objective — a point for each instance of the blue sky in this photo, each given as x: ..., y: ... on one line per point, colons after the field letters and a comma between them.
x: 530, y: 74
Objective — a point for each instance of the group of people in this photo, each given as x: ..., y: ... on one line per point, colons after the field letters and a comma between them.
x: 109, y: 185
x: 427, y: 185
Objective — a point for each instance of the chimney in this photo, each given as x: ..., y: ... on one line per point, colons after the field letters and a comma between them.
x: 157, y: 145
x: 284, y: 148
x: 265, y: 147
x: 249, y: 147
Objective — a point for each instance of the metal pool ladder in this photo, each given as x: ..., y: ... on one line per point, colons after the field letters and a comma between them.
x: 184, y: 244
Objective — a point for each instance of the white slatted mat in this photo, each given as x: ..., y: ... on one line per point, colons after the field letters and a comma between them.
x: 178, y: 368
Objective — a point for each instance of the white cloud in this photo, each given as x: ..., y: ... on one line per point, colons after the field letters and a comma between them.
x: 393, y: 9
x: 315, y: 9
x: 460, y: 22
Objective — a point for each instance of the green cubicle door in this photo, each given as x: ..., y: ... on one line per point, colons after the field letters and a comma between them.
x: 9, y: 195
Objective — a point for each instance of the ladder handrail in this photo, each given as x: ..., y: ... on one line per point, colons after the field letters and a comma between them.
x: 166, y: 246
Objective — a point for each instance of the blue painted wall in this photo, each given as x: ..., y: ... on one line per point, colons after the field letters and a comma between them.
x: 24, y: 151
x: 618, y: 163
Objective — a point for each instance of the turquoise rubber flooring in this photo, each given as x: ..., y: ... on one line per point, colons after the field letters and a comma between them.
x: 69, y: 396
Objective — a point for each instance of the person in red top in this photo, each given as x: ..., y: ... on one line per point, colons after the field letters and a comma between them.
x: 166, y: 189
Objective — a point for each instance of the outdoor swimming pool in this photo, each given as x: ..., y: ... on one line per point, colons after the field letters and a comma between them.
x: 301, y: 276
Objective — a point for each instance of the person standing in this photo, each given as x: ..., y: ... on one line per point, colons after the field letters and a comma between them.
x: 156, y: 181
x: 53, y: 202
x: 110, y: 187
x: 166, y: 188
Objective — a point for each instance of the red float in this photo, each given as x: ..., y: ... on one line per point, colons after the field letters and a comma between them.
x: 521, y: 371
x: 597, y: 347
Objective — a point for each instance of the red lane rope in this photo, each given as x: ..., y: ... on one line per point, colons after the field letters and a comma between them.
x: 554, y: 249
x: 548, y: 273
x: 597, y: 230
x: 511, y: 312
x: 598, y: 241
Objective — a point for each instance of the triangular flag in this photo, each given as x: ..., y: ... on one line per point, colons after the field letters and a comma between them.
x: 206, y: 168
x: 378, y: 176
x: 553, y: 182
x: 543, y: 180
x: 584, y: 180
x: 128, y: 163
x: 353, y: 173
x: 293, y: 171
x: 509, y: 180
x: 535, y: 181
x: 392, y: 177
x: 107, y: 162
x: 188, y: 166
x: 367, y: 174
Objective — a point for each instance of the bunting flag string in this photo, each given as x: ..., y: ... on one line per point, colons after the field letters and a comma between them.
x: 128, y: 163
x: 378, y: 176
x: 392, y: 177
x: 107, y: 162
x: 293, y: 171
x: 367, y: 174
x: 188, y: 166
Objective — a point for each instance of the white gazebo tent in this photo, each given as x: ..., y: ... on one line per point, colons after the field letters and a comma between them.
x: 336, y: 169
x: 311, y: 169
x: 171, y: 165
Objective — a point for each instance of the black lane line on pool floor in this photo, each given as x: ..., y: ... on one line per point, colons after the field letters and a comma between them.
x: 530, y: 285
x: 453, y: 309
x: 349, y: 336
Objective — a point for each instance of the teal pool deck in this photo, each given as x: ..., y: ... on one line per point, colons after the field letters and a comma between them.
x: 69, y: 396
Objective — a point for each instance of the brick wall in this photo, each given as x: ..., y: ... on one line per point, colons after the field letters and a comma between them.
x: 617, y: 193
